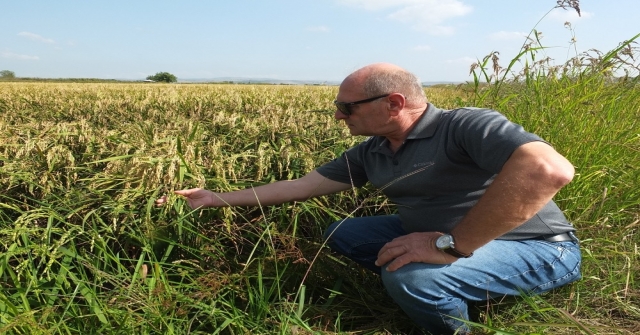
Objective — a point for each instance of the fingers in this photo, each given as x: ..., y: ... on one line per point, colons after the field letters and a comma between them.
x: 397, y: 256
x: 400, y: 262
x: 161, y: 201
x: 412, y: 248
x: 390, y: 251
x: 187, y: 193
x: 397, y: 242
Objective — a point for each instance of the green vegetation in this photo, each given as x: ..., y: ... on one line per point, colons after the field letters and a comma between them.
x: 84, y: 250
x: 6, y: 74
x: 164, y: 77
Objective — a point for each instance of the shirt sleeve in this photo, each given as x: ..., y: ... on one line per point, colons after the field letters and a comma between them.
x: 485, y: 137
x: 348, y: 168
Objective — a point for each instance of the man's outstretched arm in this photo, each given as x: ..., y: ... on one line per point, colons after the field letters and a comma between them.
x: 311, y: 185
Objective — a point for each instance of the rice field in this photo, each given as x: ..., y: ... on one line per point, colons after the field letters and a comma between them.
x: 84, y: 250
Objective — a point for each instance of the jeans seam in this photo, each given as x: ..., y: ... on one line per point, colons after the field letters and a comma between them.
x: 565, y: 252
x: 551, y: 264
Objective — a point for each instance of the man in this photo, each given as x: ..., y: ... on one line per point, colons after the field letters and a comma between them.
x: 473, y: 193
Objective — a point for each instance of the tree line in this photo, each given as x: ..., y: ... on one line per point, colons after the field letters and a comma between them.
x: 165, y: 77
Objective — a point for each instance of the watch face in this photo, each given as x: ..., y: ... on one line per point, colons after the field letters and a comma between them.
x: 444, y: 242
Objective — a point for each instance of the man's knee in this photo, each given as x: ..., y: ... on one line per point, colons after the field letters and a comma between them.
x: 427, y: 280
x: 425, y: 294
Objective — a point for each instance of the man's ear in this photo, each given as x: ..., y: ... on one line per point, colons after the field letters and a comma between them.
x: 396, y: 103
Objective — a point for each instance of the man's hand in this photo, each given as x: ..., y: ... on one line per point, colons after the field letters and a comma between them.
x: 413, y: 248
x: 196, y: 198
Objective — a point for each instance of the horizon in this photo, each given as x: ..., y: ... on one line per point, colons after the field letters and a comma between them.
x: 217, y: 80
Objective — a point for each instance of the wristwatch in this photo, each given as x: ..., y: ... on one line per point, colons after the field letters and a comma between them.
x: 446, y: 244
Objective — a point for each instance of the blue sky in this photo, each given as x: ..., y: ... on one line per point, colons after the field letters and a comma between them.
x: 292, y: 39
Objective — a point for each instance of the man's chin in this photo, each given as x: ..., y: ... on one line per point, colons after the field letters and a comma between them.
x: 356, y: 132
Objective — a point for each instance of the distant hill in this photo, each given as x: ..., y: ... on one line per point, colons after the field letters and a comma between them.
x: 240, y: 80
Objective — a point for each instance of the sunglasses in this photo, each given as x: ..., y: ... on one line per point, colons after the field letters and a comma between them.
x: 345, y: 107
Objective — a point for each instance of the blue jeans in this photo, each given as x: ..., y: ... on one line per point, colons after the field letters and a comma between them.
x: 435, y: 296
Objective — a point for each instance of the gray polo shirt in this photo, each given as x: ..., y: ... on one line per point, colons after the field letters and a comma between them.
x: 442, y: 169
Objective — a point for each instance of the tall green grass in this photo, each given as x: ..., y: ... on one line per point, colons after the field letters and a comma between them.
x: 589, y: 109
x: 83, y: 249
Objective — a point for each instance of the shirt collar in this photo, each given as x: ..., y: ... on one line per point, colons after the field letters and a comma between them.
x: 425, y: 127
x: 427, y: 124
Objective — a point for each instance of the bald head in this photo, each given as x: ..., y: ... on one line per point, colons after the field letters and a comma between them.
x: 384, y: 78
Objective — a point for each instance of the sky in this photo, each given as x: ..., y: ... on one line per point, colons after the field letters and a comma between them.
x: 314, y: 40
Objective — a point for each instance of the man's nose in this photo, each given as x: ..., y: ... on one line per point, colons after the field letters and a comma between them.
x: 339, y: 115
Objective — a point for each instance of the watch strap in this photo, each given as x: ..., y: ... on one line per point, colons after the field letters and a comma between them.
x: 450, y: 247
x: 455, y: 253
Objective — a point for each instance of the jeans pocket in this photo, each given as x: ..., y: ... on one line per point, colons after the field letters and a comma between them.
x: 565, y: 268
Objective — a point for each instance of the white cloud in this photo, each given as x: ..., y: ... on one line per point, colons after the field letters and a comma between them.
x: 421, y: 48
x: 319, y: 29
x: 36, y: 37
x: 12, y: 55
x: 508, y: 36
x: 568, y: 15
x: 422, y: 15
